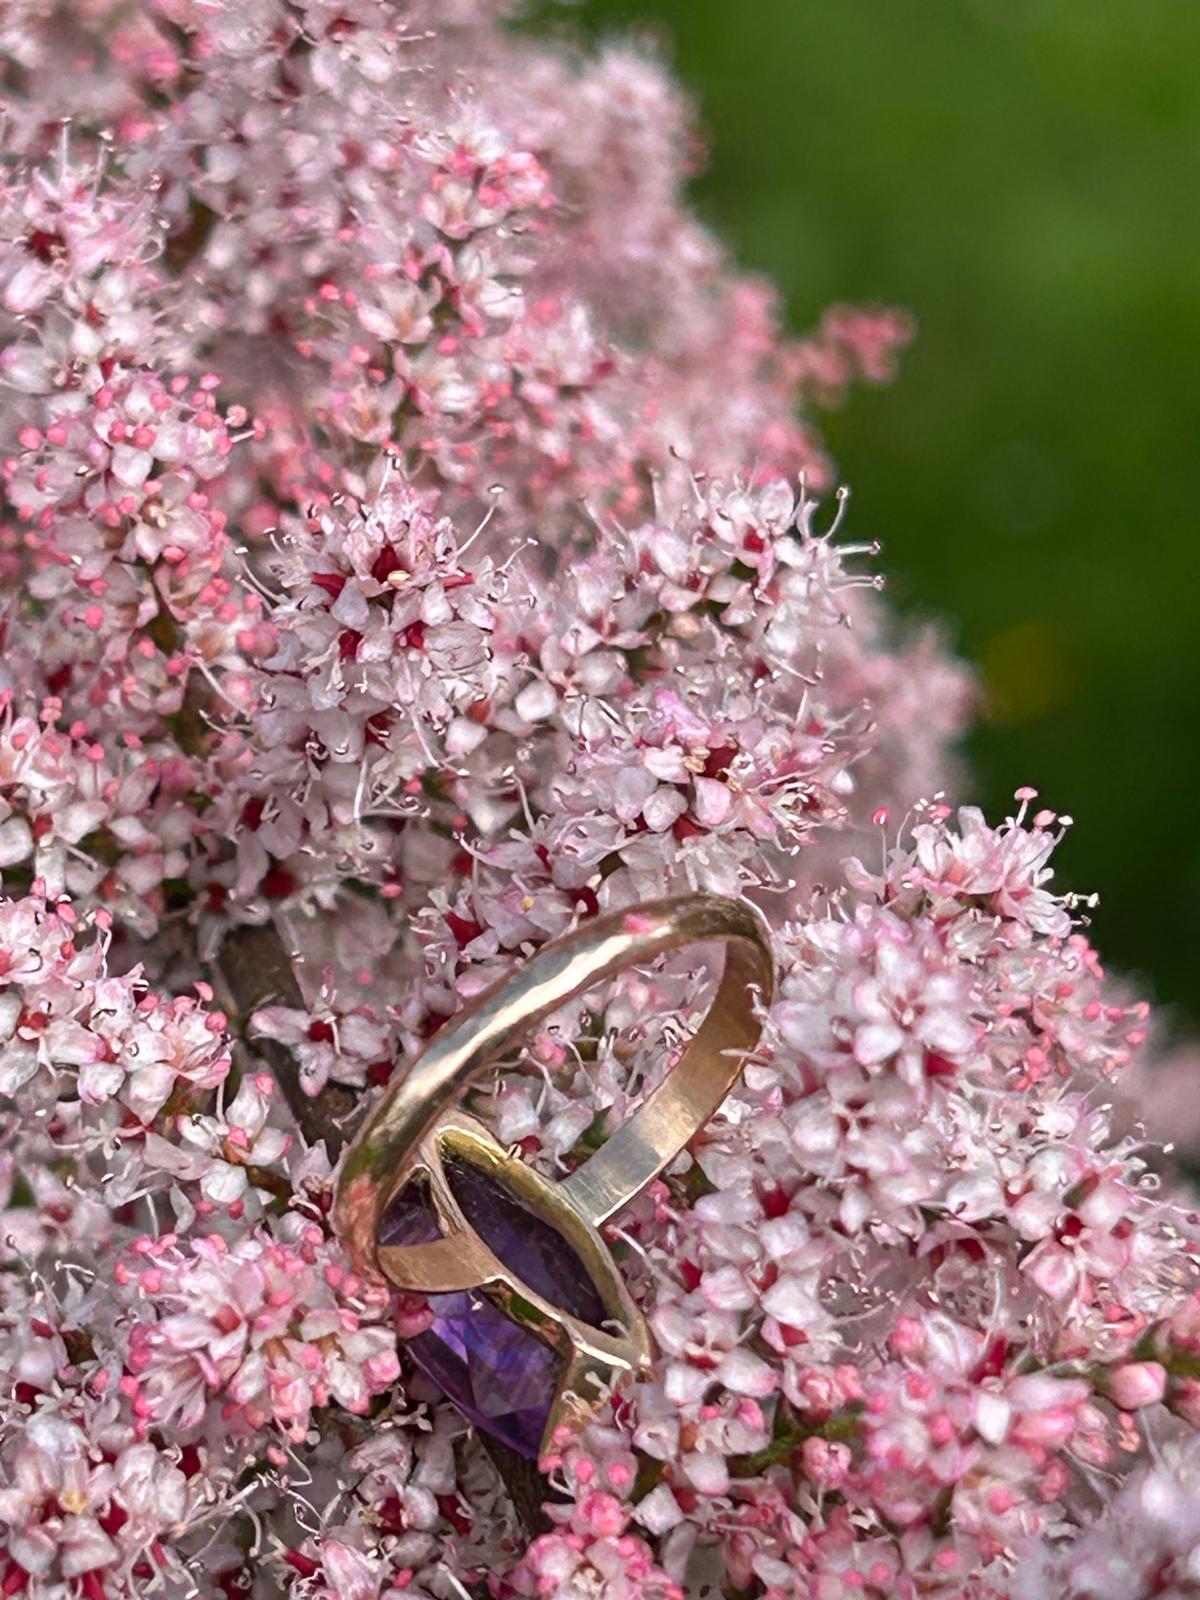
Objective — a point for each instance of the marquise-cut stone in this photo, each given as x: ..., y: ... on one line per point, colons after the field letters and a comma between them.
x: 500, y: 1375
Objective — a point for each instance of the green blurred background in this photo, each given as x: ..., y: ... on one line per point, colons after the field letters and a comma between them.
x: 1023, y: 175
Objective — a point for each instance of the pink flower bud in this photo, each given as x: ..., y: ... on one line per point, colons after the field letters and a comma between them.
x: 826, y: 1463
x: 1137, y: 1383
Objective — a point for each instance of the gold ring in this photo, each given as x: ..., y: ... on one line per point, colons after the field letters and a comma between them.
x: 427, y: 1196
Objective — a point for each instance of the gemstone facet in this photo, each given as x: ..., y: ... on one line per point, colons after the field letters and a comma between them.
x: 500, y: 1375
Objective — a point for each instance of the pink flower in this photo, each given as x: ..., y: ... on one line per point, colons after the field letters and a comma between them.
x: 1137, y: 1384
x: 825, y: 1463
x: 259, y: 1324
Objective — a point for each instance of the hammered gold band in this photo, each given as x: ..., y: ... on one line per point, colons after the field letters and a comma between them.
x: 383, y: 1153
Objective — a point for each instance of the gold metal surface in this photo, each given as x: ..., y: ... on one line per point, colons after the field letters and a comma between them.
x: 596, y: 1360
x: 417, y: 1119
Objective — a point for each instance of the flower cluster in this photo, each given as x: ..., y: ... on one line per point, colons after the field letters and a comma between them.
x: 415, y: 536
x: 95, y: 1066
x: 260, y: 1324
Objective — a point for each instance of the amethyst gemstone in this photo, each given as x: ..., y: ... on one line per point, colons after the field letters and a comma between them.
x: 501, y: 1376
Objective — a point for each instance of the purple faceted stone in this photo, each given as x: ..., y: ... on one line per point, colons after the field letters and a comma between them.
x: 503, y: 1377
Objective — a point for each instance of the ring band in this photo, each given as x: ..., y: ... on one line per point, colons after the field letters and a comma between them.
x: 638, y: 1151
x: 532, y: 1326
